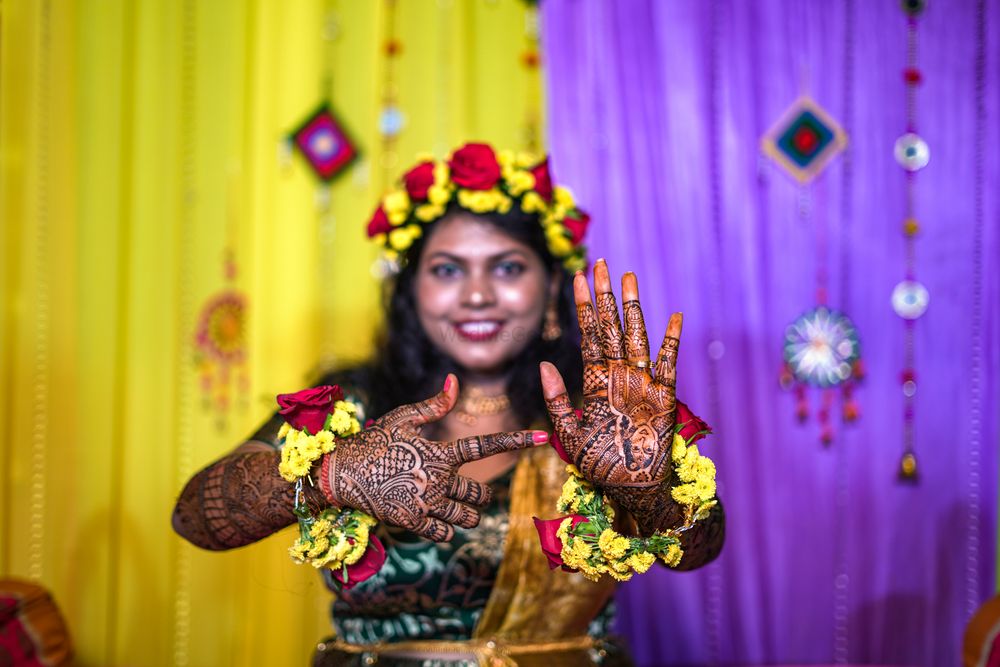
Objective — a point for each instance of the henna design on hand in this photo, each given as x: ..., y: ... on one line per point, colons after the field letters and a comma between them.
x: 391, y: 472
x: 623, y: 440
x: 238, y: 500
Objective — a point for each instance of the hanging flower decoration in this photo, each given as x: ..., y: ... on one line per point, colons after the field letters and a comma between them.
x: 221, y: 348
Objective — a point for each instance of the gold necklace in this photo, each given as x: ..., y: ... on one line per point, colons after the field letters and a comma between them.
x: 475, y: 403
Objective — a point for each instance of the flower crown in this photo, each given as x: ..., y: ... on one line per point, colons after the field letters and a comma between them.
x: 480, y: 180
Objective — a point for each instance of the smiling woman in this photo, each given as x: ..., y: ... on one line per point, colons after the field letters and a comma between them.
x: 481, y: 316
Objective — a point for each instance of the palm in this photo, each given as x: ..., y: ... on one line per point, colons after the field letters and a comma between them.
x: 392, y: 472
x: 622, y: 440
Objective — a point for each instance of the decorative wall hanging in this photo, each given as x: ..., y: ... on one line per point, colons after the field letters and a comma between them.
x: 324, y: 143
x: 531, y: 63
x: 910, y: 298
x: 821, y: 347
x: 221, y: 346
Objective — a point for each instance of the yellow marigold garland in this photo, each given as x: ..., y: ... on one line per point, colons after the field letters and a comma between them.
x: 592, y: 545
x: 337, y: 537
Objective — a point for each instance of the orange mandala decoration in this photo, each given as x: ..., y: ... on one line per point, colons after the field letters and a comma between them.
x: 220, y: 349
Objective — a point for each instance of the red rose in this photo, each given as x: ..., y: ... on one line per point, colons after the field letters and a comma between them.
x: 419, y: 180
x: 551, y: 544
x: 370, y: 563
x: 475, y: 167
x: 693, y: 427
x: 577, y: 223
x: 557, y: 443
x: 379, y: 223
x: 307, y: 409
x: 543, y: 180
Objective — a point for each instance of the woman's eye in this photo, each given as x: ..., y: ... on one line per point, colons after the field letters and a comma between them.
x: 510, y: 268
x: 444, y: 270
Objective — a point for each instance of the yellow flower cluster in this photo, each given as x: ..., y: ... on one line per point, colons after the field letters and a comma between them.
x: 339, y: 537
x: 517, y: 183
x: 300, y: 450
x: 696, y: 471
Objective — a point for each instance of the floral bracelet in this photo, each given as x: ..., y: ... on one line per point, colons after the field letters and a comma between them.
x: 337, y: 538
x: 586, y: 541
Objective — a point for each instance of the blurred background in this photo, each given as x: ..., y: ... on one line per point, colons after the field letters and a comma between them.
x: 171, y: 260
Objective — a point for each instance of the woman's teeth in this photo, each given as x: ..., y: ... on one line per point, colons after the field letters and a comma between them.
x: 483, y: 328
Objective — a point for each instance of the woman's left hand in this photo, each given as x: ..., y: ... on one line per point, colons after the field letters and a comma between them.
x: 622, y: 441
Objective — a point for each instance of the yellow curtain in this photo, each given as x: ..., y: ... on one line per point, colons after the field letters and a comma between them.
x: 140, y: 142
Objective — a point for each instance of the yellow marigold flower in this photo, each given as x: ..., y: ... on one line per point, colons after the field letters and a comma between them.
x: 673, y: 555
x: 679, y: 448
x: 704, y: 510
x: 641, y: 562
x: 319, y: 545
x: 612, y: 545
x: 320, y: 528
x: 573, y: 470
x: 439, y: 195
x: 575, y: 264
x: 346, y: 406
x: 609, y: 511
x: 560, y: 246
x: 520, y: 182
x: 340, y: 422
x: 380, y: 239
x: 582, y: 548
x: 705, y: 489
x: 283, y: 431
x: 442, y: 173
x: 704, y: 468
x: 691, y: 456
x: 325, y: 441
x: 396, y: 201
x: 355, y: 427
x: 685, y: 494
x: 400, y: 238
x: 563, y: 197
x: 567, y: 498
x: 526, y: 160
x: 505, y: 158
x: 532, y: 202
x: 563, y: 531
x: 309, y: 449
x: 365, y: 519
x: 686, y: 471
x: 503, y: 203
x: 298, y: 550
x: 620, y: 576
x: 396, y: 218
x: 429, y: 212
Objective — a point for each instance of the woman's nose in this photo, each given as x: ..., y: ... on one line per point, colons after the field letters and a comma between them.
x: 478, y: 292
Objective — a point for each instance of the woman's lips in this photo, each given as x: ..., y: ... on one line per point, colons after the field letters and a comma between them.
x: 478, y: 330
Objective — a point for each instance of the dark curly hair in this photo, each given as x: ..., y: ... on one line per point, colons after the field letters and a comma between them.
x: 407, y: 367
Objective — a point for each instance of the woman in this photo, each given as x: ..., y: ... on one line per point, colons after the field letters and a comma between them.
x: 480, y: 317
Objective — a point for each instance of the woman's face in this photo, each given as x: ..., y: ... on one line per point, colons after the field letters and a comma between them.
x: 481, y: 295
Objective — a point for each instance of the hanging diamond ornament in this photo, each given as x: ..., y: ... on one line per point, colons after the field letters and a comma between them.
x: 910, y: 299
x: 324, y: 143
x: 804, y: 140
x: 912, y: 152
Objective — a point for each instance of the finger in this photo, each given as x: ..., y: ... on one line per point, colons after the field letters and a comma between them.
x: 435, y: 530
x: 595, y: 373
x: 666, y: 361
x: 636, y: 340
x: 483, y: 446
x: 429, y: 410
x: 612, y: 337
x: 564, y: 420
x: 469, y: 491
x: 456, y: 514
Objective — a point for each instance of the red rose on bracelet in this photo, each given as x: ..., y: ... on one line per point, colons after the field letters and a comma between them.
x: 307, y: 409
x: 475, y: 167
x: 693, y: 427
x: 551, y: 544
x: 577, y: 223
x: 370, y: 563
x: 379, y: 223
x: 419, y: 180
x: 543, y: 180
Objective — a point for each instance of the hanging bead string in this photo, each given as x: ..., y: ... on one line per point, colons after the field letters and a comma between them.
x: 531, y: 62
x: 972, y: 551
x: 841, y: 580
x: 327, y: 227
x: 716, y: 347
x: 911, y: 153
x: 390, y: 117
x: 40, y: 413
x: 184, y: 311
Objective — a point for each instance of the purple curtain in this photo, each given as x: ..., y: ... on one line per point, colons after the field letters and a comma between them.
x: 656, y: 112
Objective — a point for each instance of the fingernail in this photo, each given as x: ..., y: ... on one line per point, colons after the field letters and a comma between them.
x: 539, y: 437
x: 447, y: 383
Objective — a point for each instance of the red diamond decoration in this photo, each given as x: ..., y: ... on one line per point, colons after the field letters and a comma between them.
x: 324, y: 143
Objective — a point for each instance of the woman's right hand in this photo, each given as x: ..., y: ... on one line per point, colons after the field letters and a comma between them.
x: 392, y: 473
